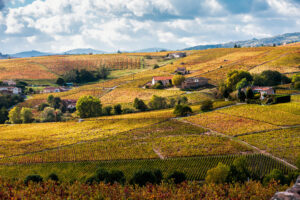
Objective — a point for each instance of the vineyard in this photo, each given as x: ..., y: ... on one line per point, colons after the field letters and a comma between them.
x: 283, y: 143
x: 196, y: 170
x: 170, y: 139
x: 49, y: 190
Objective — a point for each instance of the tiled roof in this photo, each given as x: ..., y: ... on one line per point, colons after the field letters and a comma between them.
x: 162, y: 78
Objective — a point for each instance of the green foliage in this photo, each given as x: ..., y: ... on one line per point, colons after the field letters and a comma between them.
x: 143, y: 177
x: 53, y: 177
x: 88, y: 106
x: 182, y: 110
x: 60, y: 81
x: 297, y: 85
x: 50, y: 99
x: 177, y: 80
x: 234, y: 77
x: 158, y: 85
x: 155, y: 66
x: 51, y: 115
x: 107, y: 110
x: 239, y: 171
x: 276, y: 175
x: 8, y: 101
x: 270, y: 78
x: 84, y: 76
x: 33, y: 178
x: 15, y: 115
x: 42, y: 106
x: 296, y: 78
x: 117, y: 109
x: 139, y: 105
x: 243, y: 83
x: 3, y: 115
x: 218, y: 174
x: 26, y: 115
x: 157, y: 103
x: 115, y: 176
x: 207, y: 105
x: 177, y: 177
x: 249, y: 93
x: 182, y: 100
x: 241, y: 96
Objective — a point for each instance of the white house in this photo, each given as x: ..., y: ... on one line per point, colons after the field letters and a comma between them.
x: 165, y: 80
x: 10, y: 90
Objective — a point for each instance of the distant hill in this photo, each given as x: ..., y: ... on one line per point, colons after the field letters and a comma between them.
x: 278, y: 40
x: 150, y: 50
x: 84, y: 51
x: 2, y: 56
x: 32, y: 53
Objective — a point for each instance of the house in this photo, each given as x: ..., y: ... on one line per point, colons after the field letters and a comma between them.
x: 194, y: 82
x: 71, y: 103
x: 181, y: 70
x: 177, y: 55
x: 55, y: 89
x: 263, y: 91
x: 165, y: 80
x: 10, y: 90
x: 9, y: 82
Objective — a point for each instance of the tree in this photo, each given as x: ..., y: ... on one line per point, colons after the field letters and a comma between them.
x: 26, y: 115
x: 177, y: 80
x: 3, y: 115
x: 239, y: 171
x: 139, y: 105
x: 15, y: 115
x: 155, y: 66
x: 182, y: 100
x: 276, y: 175
x: 117, y: 109
x: 241, y: 96
x: 157, y: 103
x: 218, y: 174
x: 297, y: 85
x: 182, y: 110
x: 102, y: 73
x: 88, y: 106
x: 50, y: 99
x: 143, y: 177
x: 50, y: 115
x: 271, y: 77
x: 33, y: 178
x: 234, y: 77
x: 115, y: 176
x: 60, y: 81
x: 243, y: 83
x: 207, y: 105
x: 177, y: 177
x: 107, y: 110
x: 249, y: 93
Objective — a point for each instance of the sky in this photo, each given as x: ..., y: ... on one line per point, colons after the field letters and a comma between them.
x: 126, y: 25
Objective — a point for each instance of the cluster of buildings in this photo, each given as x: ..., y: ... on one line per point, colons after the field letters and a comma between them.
x: 9, y: 87
x: 55, y: 89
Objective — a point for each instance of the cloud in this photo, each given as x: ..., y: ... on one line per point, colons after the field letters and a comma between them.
x: 2, y: 4
x: 59, y: 25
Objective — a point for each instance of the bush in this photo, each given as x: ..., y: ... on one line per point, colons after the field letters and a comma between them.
x: 107, y: 110
x: 182, y: 110
x: 158, y: 85
x: 281, y: 98
x: 241, y: 96
x: 88, y: 106
x: 142, y: 178
x: 53, y: 177
x: 157, y: 103
x: 249, y: 93
x: 207, y: 105
x: 101, y: 175
x: 139, y: 105
x: 43, y: 106
x: 127, y: 111
x: 297, y: 85
x: 158, y: 175
x: 115, y: 176
x: 26, y: 115
x: 117, y: 109
x: 218, y: 174
x: 33, y: 178
x: 276, y: 175
x: 60, y: 81
x: 155, y: 66
x: 177, y: 177
x: 177, y: 80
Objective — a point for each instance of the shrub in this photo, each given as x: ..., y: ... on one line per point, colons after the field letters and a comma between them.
x: 33, y: 178
x: 15, y: 115
x: 142, y: 178
x: 127, y: 111
x: 177, y: 177
x: 207, y: 105
x: 60, y: 81
x: 88, y: 106
x: 26, y: 115
x: 115, y: 176
x: 158, y: 85
x: 51, y: 115
x: 155, y: 66
x: 276, y: 175
x: 249, y: 93
x: 117, y: 109
x: 297, y: 85
x: 101, y: 175
x: 281, y: 98
x: 139, y: 104
x: 43, y: 106
x: 177, y: 80
x: 158, y: 175
x: 241, y: 96
x: 182, y: 110
x: 157, y: 103
x: 218, y: 174
x: 53, y: 177
x: 107, y: 110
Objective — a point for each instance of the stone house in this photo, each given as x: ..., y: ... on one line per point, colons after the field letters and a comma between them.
x: 165, y: 80
x: 194, y: 82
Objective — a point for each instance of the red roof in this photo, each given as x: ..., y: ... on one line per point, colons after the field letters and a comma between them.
x: 162, y: 78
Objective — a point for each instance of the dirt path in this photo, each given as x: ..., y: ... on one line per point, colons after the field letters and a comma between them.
x: 158, y: 153
x: 245, y: 143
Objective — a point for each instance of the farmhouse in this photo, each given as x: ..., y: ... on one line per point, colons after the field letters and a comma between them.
x: 10, y: 90
x: 177, y: 55
x: 165, y: 80
x: 55, y: 89
x: 181, y: 70
x: 9, y: 82
x: 263, y: 91
x: 71, y: 103
x: 194, y: 82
